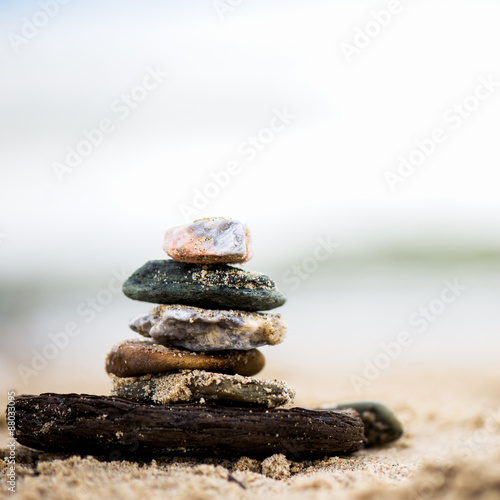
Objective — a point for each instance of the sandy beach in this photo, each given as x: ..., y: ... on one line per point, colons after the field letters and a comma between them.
x: 450, y: 449
x: 186, y: 182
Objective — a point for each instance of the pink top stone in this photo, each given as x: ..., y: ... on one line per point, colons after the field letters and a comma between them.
x: 215, y: 240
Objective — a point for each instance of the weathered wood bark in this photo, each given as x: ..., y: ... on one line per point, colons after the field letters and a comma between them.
x: 115, y: 427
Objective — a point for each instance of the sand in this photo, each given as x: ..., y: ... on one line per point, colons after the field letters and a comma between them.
x: 450, y: 450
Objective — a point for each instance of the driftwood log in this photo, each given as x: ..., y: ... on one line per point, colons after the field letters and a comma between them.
x: 118, y: 428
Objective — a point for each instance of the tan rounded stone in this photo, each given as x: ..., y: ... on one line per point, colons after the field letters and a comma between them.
x: 199, y: 386
x: 141, y: 357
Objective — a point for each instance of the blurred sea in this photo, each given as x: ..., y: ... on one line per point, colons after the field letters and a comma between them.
x: 338, y: 317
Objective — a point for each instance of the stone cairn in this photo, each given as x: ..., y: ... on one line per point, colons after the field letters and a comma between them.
x: 202, y: 339
x: 189, y: 387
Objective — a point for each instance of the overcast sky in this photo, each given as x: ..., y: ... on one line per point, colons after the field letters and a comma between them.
x: 297, y: 112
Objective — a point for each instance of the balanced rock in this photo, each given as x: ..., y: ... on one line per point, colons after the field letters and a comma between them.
x: 215, y: 286
x: 200, y: 329
x: 214, y: 240
x: 201, y: 386
x: 141, y: 357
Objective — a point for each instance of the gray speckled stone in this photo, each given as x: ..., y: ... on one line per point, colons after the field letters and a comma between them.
x: 212, y: 287
x: 200, y: 329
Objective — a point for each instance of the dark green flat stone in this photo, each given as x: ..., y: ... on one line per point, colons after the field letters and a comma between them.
x: 381, y: 425
x: 211, y: 287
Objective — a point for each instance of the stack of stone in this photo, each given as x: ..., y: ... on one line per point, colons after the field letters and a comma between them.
x: 203, y: 335
x: 175, y: 388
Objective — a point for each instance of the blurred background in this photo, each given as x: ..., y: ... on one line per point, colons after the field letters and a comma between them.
x: 366, y: 129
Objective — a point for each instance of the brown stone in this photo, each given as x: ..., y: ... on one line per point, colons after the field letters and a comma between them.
x: 141, y: 357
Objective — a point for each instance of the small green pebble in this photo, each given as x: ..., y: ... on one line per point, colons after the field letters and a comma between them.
x: 381, y: 425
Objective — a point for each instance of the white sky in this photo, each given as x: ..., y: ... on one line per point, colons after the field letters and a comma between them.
x: 324, y: 174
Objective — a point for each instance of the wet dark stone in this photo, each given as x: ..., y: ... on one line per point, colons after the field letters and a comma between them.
x: 211, y: 286
x: 381, y: 424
